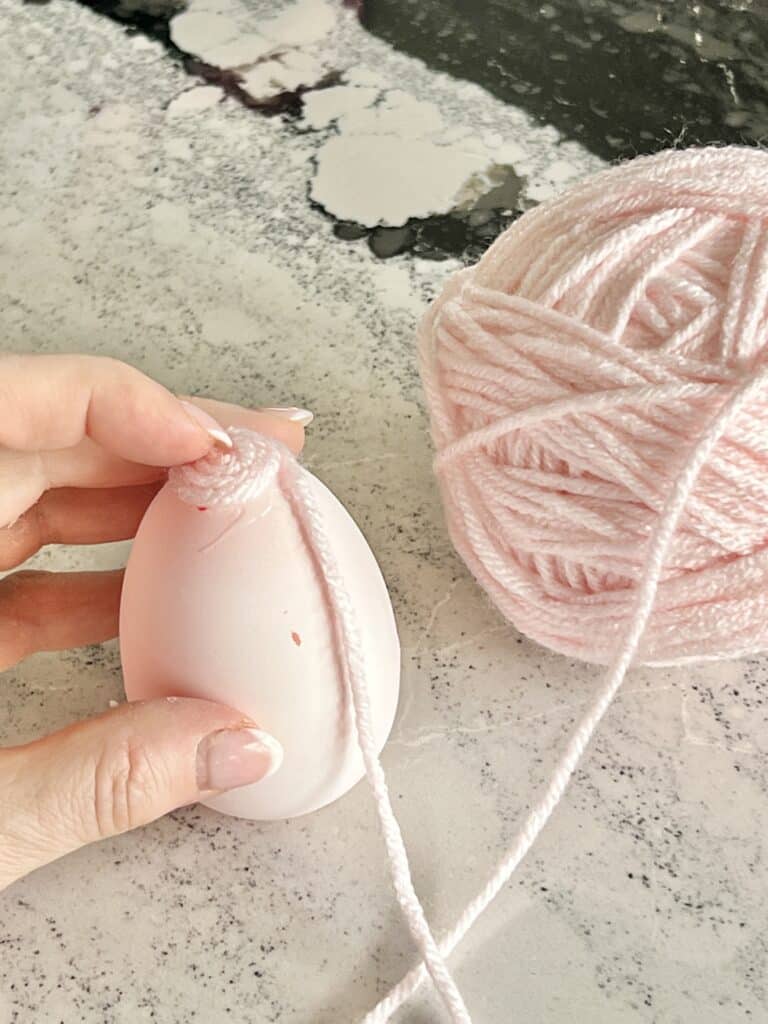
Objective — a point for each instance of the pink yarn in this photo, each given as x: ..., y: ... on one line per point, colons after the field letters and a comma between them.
x: 597, y: 390
x: 233, y: 478
x: 568, y: 376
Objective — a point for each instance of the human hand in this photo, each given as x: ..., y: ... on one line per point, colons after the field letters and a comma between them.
x: 83, y: 446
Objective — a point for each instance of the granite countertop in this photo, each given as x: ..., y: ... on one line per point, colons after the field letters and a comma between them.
x: 256, y: 200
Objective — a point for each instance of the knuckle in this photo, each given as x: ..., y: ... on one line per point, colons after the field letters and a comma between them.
x: 125, y: 781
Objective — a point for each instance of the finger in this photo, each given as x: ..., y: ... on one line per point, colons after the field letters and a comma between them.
x: 24, y: 476
x: 75, y: 516
x: 51, y: 611
x: 279, y: 424
x: 118, y: 771
x: 51, y: 402
x: 88, y: 465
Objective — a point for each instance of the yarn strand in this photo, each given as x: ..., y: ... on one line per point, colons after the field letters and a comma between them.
x: 309, y: 516
x: 596, y: 389
x: 230, y: 479
x: 593, y: 341
x: 658, y: 547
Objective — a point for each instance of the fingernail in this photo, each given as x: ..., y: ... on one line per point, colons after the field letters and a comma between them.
x: 214, y: 428
x: 302, y: 416
x: 236, y: 757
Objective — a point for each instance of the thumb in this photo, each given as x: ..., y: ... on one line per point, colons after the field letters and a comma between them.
x: 118, y: 771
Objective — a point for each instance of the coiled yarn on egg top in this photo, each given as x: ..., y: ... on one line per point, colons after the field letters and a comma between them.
x: 569, y: 375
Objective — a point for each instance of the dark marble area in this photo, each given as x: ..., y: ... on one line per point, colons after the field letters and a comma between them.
x: 621, y: 78
x: 150, y: 17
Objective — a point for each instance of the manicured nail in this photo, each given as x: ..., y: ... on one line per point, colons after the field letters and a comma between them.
x: 236, y: 757
x: 219, y: 435
x: 302, y: 416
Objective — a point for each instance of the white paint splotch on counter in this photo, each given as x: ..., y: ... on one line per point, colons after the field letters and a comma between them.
x: 186, y: 244
x: 393, y: 157
x: 271, y: 48
x: 387, y: 154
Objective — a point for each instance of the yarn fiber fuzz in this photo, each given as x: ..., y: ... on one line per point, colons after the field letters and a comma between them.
x: 569, y: 376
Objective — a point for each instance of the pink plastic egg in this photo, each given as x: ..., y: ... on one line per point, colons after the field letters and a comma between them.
x: 227, y: 604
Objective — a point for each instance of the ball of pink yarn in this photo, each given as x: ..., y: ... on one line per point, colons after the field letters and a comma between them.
x: 569, y: 374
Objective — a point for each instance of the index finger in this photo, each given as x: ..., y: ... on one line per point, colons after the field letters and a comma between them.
x: 56, y: 401
x: 88, y: 465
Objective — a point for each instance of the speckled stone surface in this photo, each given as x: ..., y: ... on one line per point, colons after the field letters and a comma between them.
x: 177, y: 234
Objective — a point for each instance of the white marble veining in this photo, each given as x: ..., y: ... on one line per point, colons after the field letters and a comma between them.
x: 186, y: 245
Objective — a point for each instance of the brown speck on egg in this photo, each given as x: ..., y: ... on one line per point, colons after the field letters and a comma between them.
x: 296, y: 639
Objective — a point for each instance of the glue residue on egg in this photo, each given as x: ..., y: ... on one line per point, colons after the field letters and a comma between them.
x: 227, y: 604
